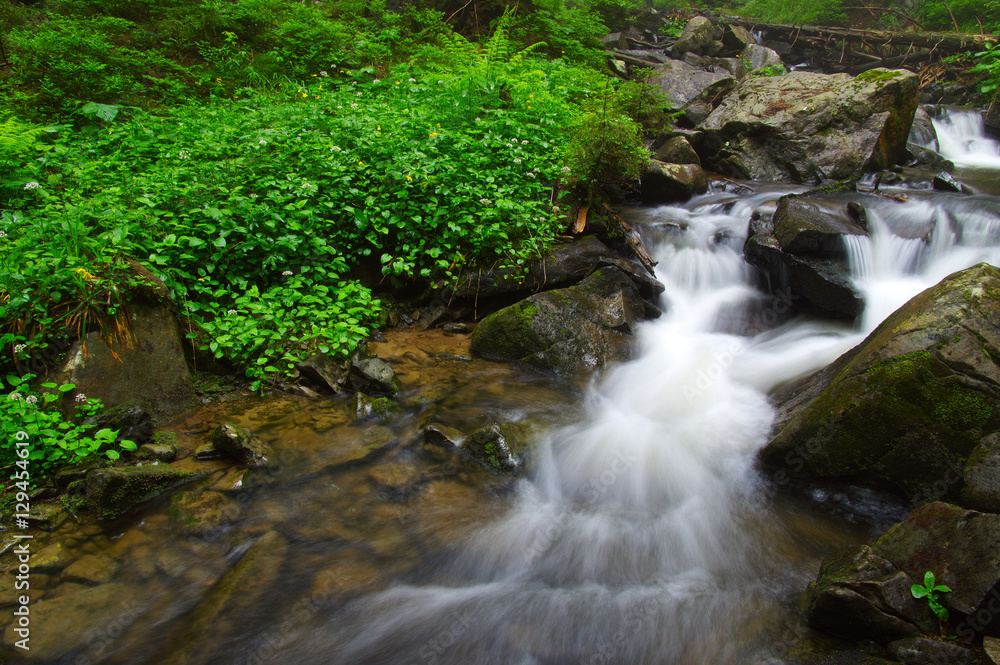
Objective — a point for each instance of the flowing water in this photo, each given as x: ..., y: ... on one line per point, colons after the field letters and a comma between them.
x: 643, y: 534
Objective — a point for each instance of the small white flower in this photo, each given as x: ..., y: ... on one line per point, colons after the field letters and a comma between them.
x: 231, y: 312
x: 31, y: 185
x: 524, y: 142
x: 323, y: 73
x: 354, y: 105
x: 485, y: 202
x: 262, y: 142
x: 339, y: 106
x: 335, y: 148
x: 183, y: 154
x: 517, y: 160
x: 555, y: 208
x: 479, y: 119
x: 30, y: 399
x: 19, y: 348
x: 565, y: 169
x: 413, y: 80
x: 377, y: 81
x: 15, y: 396
x: 530, y: 174
x: 3, y: 234
x: 80, y: 397
x: 253, y: 196
x: 287, y: 273
x: 510, y: 145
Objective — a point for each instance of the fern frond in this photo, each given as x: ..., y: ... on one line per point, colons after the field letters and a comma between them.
x: 16, y: 137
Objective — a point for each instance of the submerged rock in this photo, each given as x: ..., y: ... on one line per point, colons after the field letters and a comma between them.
x: 907, y: 405
x: 366, y: 407
x: 499, y: 447
x: 373, y: 376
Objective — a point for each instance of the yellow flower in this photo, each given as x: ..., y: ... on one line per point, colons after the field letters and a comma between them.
x: 409, y: 179
x: 361, y: 163
x: 433, y: 134
x: 397, y: 82
x: 305, y: 96
x: 378, y: 128
x: 218, y: 80
x: 82, y: 272
x: 439, y: 124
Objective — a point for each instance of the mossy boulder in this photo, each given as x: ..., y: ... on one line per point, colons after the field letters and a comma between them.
x: 806, y: 226
x: 579, y: 328
x: 807, y: 127
x: 203, y: 511
x: 112, y: 492
x: 367, y: 407
x: 908, y: 404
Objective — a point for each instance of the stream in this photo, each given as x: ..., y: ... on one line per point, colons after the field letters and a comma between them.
x: 643, y: 533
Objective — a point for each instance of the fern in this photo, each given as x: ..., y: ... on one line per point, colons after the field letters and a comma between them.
x: 17, y: 137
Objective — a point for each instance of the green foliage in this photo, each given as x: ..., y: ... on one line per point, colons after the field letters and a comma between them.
x: 770, y: 70
x: 989, y: 66
x: 16, y: 138
x: 930, y: 592
x: 821, y: 12
x: 970, y: 16
x: 54, y: 440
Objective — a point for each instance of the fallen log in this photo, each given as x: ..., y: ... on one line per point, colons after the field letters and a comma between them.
x: 632, y: 238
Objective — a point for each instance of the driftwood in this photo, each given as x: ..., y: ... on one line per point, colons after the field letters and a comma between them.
x: 632, y: 238
x: 947, y: 43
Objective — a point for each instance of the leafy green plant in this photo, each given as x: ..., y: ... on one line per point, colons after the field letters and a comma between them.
x: 770, y: 70
x: 929, y: 591
x: 55, y: 441
x: 989, y: 65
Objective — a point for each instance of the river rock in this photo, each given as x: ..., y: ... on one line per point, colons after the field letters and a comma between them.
x: 367, y: 407
x: 203, y: 511
x: 241, y: 445
x: 323, y: 371
x: 46, y: 516
x: 982, y: 476
x: 909, y: 403
x: 666, y: 183
x: 578, y: 328
x: 803, y: 226
x: 805, y: 127
x: 373, y: 377
x: 737, y: 38
x: 681, y: 84
x: 760, y: 57
x: 239, y: 591
x: 924, y: 651
x: 499, y: 447
x: 562, y: 265
x: 859, y: 594
x: 811, y: 283
x: 112, y: 492
x: 151, y: 372
x: 67, y: 624
x: 157, y: 452
x: 961, y: 547
x: 90, y: 569
x: 441, y: 441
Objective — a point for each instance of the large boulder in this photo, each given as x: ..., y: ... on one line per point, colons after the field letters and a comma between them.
x: 149, y: 371
x: 700, y: 35
x: 806, y: 226
x: 680, y: 83
x: 581, y: 327
x: 241, y: 445
x: 665, y: 183
x: 806, y: 127
x: 112, y: 492
x: 910, y: 403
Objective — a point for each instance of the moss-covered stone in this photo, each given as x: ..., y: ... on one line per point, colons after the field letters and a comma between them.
x: 499, y: 447
x: 112, y: 492
x: 909, y: 403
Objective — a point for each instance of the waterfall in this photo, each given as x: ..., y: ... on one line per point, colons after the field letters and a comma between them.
x: 962, y: 139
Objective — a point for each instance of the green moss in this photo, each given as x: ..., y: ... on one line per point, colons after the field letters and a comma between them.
x: 963, y: 410
x: 899, y: 367
x: 877, y: 76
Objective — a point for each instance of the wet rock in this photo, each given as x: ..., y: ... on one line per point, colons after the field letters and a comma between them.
x: 46, y: 516
x: 681, y: 84
x: 241, y: 445
x: 347, y: 576
x: 207, y: 451
x: 982, y: 476
x: 991, y: 645
x: 91, y: 570
x: 737, y: 38
x: 61, y: 622
x: 52, y: 558
x: 945, y: 182
x: 232, y: 480
x: 564, y: 264
x: 373, y: 377
x: 808, y: 128
x: 323, y: 371
x: 909, y: 403
x: 130, y: 421
x: 677, y: 150
x: 112, y: 492
x: 961, y: 547
x: 152, y: 373
x: 665, y: 183
x: 239, y: 591
x: 499, y: 447
x: 575, y: 329
x: 806, y: 283
x: 367, y: 407
x: 398, y: 479
x: 861, y: 595
x: 441, y: 441
x: 923, y: 651
x: 165, y: 451
x: 802, y: 226
x: 203, y: 511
